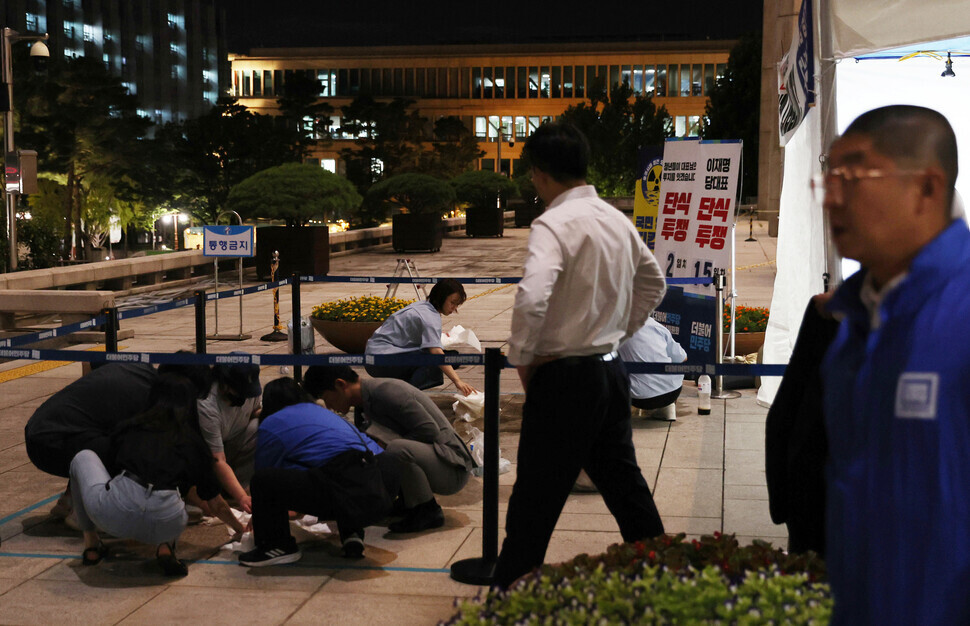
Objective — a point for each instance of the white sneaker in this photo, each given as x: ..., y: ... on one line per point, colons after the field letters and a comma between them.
x: 665, y: 413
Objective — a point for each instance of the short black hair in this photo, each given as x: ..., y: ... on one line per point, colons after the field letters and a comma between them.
x: 558, y: 149
x: 199, y: 373
x: 913, y: 137
x: 320, y: 378
x: 281, y: 393
x: 444, y: 288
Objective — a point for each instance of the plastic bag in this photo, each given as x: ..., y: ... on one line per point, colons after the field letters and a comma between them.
x: 460, y: 336
x: 470, y: 407
x: 477, y: 448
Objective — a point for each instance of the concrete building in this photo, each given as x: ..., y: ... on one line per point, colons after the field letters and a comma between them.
x: 170, y: 53
x: 505, y: 90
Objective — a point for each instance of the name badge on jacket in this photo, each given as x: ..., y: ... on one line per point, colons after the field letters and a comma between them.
x: 916, y: 395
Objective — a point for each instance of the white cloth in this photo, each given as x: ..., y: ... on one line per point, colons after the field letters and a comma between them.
x: 221, y: 422
x: 606, y: 281
x: 653, y: 343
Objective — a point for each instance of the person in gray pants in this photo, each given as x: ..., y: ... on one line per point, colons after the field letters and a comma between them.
x: 414, y: 431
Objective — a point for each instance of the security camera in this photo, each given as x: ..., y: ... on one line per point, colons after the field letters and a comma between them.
x: 39, y: 55
x: 512, y: 143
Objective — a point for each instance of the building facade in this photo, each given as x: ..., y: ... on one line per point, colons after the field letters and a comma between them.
x: 171, y: 54
x: 500, y: 92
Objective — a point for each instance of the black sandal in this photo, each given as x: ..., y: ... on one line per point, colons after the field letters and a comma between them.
x: 170, y: 563
x: 94, y: 554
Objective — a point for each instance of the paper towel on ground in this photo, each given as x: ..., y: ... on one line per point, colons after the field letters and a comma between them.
x: 460, y: 336
x: 477, y: 448
x: 308, y: 523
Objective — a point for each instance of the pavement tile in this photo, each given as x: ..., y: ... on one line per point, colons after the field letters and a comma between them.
x: 750, y: 518
x: 45, y: 602
x: 406, y: 583
x: 744, y: 436
x: 373, y: 609
x: 689, y: 492
x: 691, y: 525
x: 179, y: 605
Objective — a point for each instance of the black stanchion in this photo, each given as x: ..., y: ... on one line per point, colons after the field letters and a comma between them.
x: 200, y: 343
x: 297, y: 327
x: 480, y: 571
x: 110, y: 329
x: 277, y: 334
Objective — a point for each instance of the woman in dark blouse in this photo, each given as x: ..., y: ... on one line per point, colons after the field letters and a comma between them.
x: 160, y: 456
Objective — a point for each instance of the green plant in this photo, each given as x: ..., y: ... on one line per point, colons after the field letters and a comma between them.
x: 747, y: 319
x: 666, y: 580
x: 415, y: 193
x: 479, y: 188
x: 359, y: 309
x: 294, y: 192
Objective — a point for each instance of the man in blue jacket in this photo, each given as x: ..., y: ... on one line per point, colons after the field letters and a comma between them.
x: 897, y: 403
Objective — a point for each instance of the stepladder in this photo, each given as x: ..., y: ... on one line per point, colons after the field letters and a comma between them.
x: 406, y: 266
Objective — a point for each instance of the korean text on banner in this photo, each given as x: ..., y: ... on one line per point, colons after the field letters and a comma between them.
x: 690, y: 318
x: 647, y: 195
x: 796, y: 77
x: 698, y: 192
x: 234, y: 241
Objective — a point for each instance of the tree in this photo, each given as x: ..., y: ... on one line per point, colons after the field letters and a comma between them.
x: 300, y: 105
x: 479, y: 188
x: 734, y: 104
x: 295, y: 192
x: 203, y: 158
x: 415, y: 193
x: 84, y: 124
x: 617, y: 125
x: 454, y: 150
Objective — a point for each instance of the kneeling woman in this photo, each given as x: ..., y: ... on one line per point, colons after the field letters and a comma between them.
x: 161, y: 456
x: 415, y: 329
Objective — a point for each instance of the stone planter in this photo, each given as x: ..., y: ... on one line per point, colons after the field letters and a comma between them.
x: 526, y: 212
x: 484, y: 222
x: 350, y: 337
x: 303, y: 249
x: 746, y: 343
x: 416, y: 231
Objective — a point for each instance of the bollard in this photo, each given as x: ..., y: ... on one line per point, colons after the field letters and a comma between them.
x: 297, y: 345
x: 480, y: 571
x: 200, y: 342
x: 110, y: 329
x: 277, y: 334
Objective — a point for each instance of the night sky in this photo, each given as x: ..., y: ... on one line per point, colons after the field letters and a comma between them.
x: 286, y: 23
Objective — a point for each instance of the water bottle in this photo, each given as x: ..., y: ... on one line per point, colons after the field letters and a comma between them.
x: 704, y: 394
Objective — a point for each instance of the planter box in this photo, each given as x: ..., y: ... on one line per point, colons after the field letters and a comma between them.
x: 416, y: 231
x: 350, y: 337
x: 746, y: 343
x: 525, y: 213
x: 304, y: 249
x: 484, y: 222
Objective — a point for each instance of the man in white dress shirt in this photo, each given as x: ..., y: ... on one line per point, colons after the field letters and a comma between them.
x: 589, y: 283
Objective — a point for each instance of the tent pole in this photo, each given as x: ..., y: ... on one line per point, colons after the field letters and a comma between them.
x: 828, y: 121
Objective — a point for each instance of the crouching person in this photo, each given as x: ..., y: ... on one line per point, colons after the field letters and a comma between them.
x: 160, y: 455
x: 309, y: 459
x: 433, y: 458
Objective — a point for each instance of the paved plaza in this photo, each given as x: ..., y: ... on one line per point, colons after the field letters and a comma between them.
x: 707, y: 473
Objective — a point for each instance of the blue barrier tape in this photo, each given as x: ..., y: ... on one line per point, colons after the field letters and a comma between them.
x: 418, y: 280
x: 703, y: 280
x: 22, y: 340
x: 155, y: 308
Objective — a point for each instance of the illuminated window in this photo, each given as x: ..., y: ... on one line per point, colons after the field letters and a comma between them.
x: 661, y: 80
x: 545, y: 83
x: 680, y: 126
x: 481, y: 127
x: 648, y: 77
x: 556, y: 85
x: 567, y: 81
x: 693, y: 125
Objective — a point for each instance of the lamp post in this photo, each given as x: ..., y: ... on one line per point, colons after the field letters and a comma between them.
x: 11, y: 161
x: 500, y: 129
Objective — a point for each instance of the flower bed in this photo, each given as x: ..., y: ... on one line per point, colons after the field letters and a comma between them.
x: 359, y: 309
x: 667, y: 580
x: 747, y: 319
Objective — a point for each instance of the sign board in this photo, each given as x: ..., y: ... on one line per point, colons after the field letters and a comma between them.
x: 234, y: 241
x: 690, y: 318
x: 796, y: 77
x: 646, y: 198
x: 698, y: 198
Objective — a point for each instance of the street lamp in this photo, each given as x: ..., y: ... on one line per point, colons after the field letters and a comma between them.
x: 500, y: 129
x: 11, y: 161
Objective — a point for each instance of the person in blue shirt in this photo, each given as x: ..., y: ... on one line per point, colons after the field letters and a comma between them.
x: 896, y: 403
x: 656, y: 393
x: 309, y: 459
x: 416, y: 329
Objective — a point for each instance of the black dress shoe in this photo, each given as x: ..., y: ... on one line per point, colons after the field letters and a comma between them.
x: 422, y: 517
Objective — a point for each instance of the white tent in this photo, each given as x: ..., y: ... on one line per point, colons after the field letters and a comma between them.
x: 851, y: 79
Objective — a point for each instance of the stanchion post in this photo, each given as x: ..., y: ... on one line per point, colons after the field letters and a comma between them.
x: 200, y: 344
x: 277, y: 333
x: 480, y: 571
x: 297, y: 328
x: 110, y: 329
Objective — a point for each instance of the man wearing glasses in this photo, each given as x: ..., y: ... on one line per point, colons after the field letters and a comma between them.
x: 897, y: 405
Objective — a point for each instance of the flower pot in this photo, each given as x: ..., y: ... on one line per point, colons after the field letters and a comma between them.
x: 746, y: 343
x: 526, y: 212
x: 416, y: 231
x: 350, y: 337
x: 484, y: 222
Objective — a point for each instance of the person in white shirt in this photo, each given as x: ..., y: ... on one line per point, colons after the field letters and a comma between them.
x: 657, y: 393
x: 589, y: 282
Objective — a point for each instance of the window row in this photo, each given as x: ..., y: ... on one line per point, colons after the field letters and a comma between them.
x: 529, y: 82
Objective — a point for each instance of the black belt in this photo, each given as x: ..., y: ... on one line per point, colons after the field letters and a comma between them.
x: 142, y: 482
x: 576, y: 360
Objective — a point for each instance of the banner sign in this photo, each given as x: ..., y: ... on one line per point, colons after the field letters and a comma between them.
x: 234, y: 241
x: 698, y: 192
x: 690, y: 318
x: 796, y: 77
x: 646, y: 198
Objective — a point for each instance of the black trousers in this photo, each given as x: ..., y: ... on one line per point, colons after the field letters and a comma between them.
x: 576, y: 416
x: 277, y: 491
x: 656, y: 402
x: 52, y: 452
